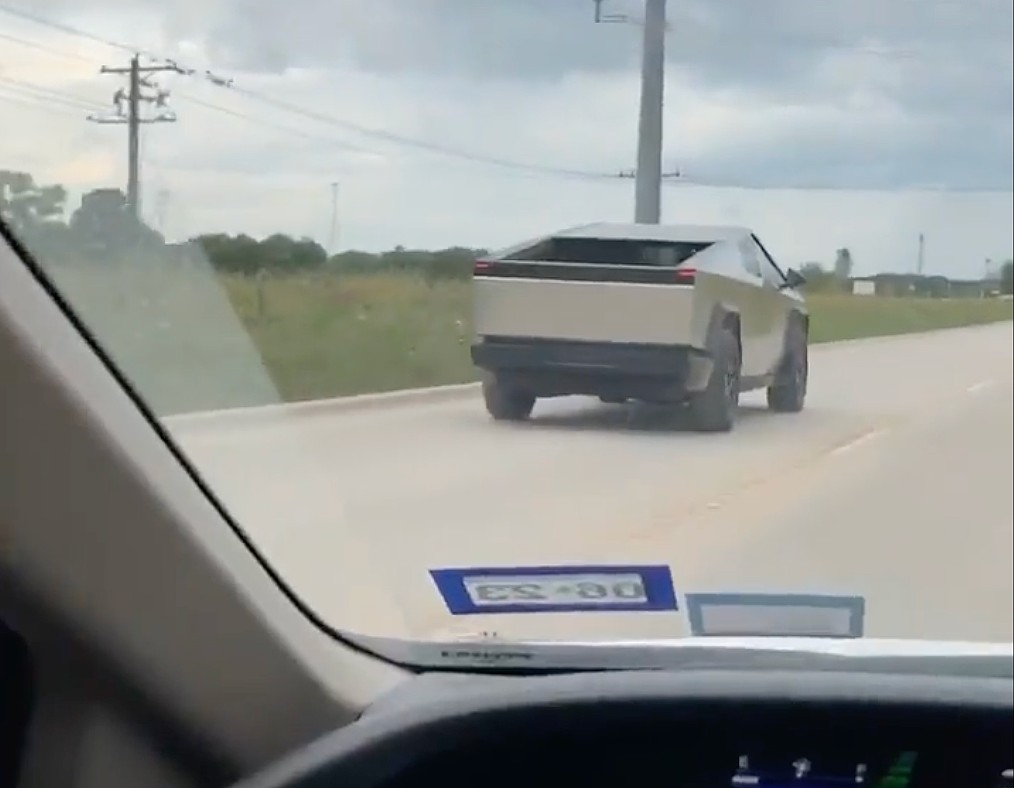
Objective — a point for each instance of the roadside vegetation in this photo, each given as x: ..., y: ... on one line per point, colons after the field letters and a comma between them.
x: 357, y: 334
x: 320, y: 335
x: 310, y: 326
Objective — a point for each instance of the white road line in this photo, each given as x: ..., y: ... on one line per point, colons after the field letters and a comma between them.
x: 982, y: 384
x: 866, y: 437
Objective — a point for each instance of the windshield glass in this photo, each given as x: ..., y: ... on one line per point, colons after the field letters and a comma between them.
x: 283, y: 227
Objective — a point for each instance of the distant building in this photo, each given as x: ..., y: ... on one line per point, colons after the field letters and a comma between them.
x: 864, y: 286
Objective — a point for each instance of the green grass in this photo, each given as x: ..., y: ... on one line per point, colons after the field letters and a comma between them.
x: 838, y: 317
x: 174, y: 332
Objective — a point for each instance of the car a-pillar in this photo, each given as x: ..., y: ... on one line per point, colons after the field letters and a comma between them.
x: 713, y: 408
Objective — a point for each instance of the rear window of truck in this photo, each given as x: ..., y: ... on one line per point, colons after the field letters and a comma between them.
x: 599, y: 251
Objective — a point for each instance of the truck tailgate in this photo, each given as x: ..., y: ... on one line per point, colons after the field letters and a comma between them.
x: 584, y: 310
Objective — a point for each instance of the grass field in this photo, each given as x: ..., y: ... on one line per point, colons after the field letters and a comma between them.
x: 318, y: 336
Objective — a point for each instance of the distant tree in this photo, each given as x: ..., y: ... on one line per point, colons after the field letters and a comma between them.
x: 817, y: 279
x: 282, y: 253
x: 1007, y: 277
x: 239, y: 254
x: 277, y: 253
x: 453, y: 263
x: 28, y: 207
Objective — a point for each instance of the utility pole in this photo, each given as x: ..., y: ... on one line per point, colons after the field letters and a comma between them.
x: 648, y: 184
x: 648, y: 175
x: 134, y: 96
x: 921, y: 259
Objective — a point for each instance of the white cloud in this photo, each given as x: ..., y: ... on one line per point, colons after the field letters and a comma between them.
x: 818, y: 112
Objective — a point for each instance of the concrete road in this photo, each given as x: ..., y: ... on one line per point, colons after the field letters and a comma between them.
x: 894, y: 483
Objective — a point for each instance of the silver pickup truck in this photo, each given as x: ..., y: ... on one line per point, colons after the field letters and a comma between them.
x: 656, y: 313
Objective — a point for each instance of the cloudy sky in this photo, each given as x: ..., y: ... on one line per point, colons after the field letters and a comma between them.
x: 820, y: 123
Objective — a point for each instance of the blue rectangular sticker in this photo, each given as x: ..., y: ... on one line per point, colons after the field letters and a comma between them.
x: 776, y: 615
x: 555, y: 589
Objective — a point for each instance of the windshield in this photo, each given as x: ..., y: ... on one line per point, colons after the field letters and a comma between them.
x: 283, y: 227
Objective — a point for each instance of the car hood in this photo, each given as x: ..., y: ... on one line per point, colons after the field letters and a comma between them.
x: 465, y: 669
x: 479, y: 653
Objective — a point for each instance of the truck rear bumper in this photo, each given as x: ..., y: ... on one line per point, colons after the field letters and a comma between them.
x: 611, y: 370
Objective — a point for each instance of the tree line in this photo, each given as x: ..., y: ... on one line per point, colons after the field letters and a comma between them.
x: 101, y: 230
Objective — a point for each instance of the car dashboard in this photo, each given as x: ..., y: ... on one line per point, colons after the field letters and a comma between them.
x: 685, y: 729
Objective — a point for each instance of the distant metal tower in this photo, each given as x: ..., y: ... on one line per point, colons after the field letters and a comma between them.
x: 161, y: 209
x: 333, y: 234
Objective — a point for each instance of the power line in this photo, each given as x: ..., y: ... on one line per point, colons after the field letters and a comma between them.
x: 34, y: 102
x: 345, y: 145
x: 47, y: 98
x: 348, y: 146
x: 43, y: 47
x: 810, y: 186
x: 133, y: 97
x: 39, y: 91
x: 400, y: 139
x: 377, y: 133
x: 69, y: 29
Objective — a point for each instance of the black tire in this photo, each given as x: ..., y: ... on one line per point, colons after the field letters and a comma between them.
x: 504, y: 403
x: 788, y: 393
x: 714, y: 408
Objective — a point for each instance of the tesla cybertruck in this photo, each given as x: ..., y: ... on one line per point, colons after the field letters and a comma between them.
x: 684, y: 314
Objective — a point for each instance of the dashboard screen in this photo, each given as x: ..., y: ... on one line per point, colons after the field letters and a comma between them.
x: 804, y: 773
x: 723, y: 745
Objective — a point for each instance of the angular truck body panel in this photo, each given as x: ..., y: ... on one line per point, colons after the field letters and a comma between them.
x: 585, y: 311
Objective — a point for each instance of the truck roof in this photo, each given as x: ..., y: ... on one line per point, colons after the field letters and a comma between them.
x: 693, y: 233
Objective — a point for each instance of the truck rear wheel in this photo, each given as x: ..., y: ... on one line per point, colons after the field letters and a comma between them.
x: 505, y: 403
x: 714, y: 408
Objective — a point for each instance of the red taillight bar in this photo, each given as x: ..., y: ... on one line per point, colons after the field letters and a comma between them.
x: 481, y: 266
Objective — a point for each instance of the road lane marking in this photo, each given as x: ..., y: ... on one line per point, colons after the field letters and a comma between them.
x: 982, y: 384
x: 858, y: 441
x: 747, y: 486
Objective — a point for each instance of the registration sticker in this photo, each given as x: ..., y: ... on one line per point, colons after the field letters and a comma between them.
x: 555, y: 589
x: 776, y: 615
